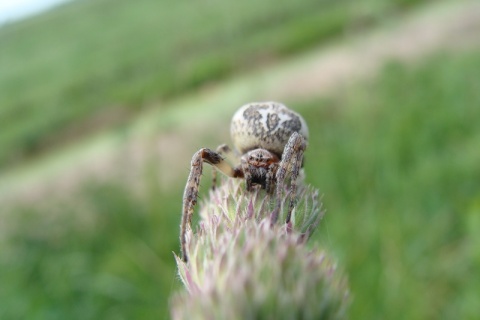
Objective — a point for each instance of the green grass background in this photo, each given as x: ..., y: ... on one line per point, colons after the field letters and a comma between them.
x: 398, y: 163
x: 397, y: 160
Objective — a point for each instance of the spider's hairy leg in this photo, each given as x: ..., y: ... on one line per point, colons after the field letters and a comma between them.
x: 270, y: 179
x: 190, y: 194
x: 224, y: 151
x: 247, y: 173
x: 292, y: 159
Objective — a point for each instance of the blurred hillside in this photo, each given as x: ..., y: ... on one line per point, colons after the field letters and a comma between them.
x: 390, y: 95
x: 90, y: 64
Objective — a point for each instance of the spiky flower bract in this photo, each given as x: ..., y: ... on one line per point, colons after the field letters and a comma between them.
x: 243, y: 266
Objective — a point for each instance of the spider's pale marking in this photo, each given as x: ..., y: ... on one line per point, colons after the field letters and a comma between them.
x: 250, y: 127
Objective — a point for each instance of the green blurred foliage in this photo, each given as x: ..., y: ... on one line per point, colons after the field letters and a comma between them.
x: 397, y: 161
x: 92, y: 64
x: 106, y: 255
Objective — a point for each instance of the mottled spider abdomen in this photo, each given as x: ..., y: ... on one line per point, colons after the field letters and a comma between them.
x: 266, y: 125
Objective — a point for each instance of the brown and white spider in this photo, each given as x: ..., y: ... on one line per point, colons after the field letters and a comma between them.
x: 271, y: 140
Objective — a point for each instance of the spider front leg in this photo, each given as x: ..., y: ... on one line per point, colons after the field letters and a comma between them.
x: 190, y: 194
x: 292, y: 160
x: 270, y: 178
x: 225, y: 152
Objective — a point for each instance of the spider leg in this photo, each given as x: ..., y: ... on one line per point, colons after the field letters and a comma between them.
x: 292, y: 159
x: 247, y: 173
x: 224, y: 151
x: 190, y: 194
x: 270, y: 179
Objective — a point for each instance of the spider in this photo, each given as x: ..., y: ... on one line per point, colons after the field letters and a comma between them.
x: 271, y: 140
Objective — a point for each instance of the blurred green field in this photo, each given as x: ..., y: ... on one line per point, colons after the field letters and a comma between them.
x: 397, y: 160
x: 91, y: 64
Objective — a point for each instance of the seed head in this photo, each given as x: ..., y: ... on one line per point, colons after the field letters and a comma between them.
x: 243, y: 267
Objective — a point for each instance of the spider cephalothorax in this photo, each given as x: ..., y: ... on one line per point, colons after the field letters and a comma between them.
x: 269, y: 141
